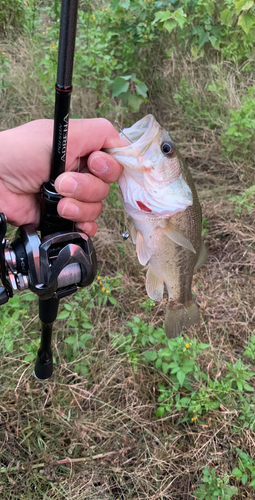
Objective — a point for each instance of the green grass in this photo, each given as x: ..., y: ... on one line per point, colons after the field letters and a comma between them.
x: 128, y: 414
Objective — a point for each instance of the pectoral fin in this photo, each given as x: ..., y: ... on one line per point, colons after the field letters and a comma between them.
x: 142, y: 250
x: 133, y: 233
x: 154, y: 285
x: 178, y: 238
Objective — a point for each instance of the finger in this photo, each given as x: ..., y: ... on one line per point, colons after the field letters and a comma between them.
x: 19, y: 208
x: 89, y: 228
x: 88, y: 135
x: 104, y: 166
x: 78, y: 211
x: 82, y: 187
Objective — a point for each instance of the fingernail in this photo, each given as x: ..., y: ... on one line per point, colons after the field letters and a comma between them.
x: 67, y: 185
x: 98, y: 165
x: 70, y: 210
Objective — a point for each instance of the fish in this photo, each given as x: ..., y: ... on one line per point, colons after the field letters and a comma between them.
x: 159, y: 195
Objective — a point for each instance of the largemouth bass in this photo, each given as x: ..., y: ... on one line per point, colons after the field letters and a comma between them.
x: 160, y: 196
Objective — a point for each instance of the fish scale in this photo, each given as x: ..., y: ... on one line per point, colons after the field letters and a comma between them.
x: 160, y: 196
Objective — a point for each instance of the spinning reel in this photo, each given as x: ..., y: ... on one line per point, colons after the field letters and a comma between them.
x: 54, y: 265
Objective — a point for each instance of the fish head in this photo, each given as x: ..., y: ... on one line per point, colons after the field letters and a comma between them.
x: 152, y: 183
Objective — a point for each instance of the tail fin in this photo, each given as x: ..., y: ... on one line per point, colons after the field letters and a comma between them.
x: 178, y: 316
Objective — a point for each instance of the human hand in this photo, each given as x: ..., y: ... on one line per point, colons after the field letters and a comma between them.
x: 25, y: 166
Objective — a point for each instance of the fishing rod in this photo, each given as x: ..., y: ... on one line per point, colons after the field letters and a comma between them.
x: 59, y: 261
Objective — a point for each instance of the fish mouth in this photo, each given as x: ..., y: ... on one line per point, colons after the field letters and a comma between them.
x: 140, y: 128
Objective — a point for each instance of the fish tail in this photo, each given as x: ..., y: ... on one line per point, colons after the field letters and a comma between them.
x: 179, y: 316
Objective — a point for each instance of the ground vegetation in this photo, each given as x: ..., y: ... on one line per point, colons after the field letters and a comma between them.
x: 129, y: 414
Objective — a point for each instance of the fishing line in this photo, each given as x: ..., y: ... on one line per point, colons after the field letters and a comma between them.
x: 125, y: 234
x: 121, y: 129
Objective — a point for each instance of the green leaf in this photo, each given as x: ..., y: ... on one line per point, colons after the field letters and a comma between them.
x: 203, y: 38
x: 81, y: 368
x: 124, y: 4
x: 158, y: 363
x: 184, y: 401
x: 136, y: 319
x: 246, y: 21
x: 181, y: 377
x: 203, y: 346
x: 165, y: 367
x: 180, y: 17
x: 68, y: 307
x: 85, y: 337
x: 141, y: 89
x: 170, y: 25
x: 143, y: 341
x: 87, y: 326
x: 252, y: 483
x: 210, y: 7
x: 135, y: 102
x: 241, y: 5
x: 29, y: 357
x: 196, y: 52
x: 239, y: 385
x: 28, y: 297
x: 112, y: 300
x: 237, y: 472
x: 244, y: 479
x: 151, y: 355
x: 71, y: 340
x: 248, y: 387
x: 162, y: 16
x: 73, y: 322
x: 127, y: 77
x: 232, y: 490
x: 63, y: 315
x: 231, y: 130
x: 160, y: 411
x: 119, y: 86
x: 226, y: 17
x: 115, y: 5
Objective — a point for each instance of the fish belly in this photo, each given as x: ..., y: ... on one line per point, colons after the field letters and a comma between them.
x: 173, y: 266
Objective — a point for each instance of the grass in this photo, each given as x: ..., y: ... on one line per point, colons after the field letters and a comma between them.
x: 91, y: 432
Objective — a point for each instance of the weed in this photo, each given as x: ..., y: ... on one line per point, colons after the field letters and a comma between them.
x: 250, y: 350
x: 246, y: 417
x: 91, y: 431
x: 201, y: 25
x: 214, y: 487
x: 238, y: 140
x: 244, y: 201
x: 246, y: 468
x: 238, y: 376
x: 205, y: 225
x: 13, y: 315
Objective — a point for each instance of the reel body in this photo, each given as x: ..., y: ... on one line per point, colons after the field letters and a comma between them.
x: 52, y: 267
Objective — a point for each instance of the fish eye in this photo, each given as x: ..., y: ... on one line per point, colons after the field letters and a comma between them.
x: 168, y: 148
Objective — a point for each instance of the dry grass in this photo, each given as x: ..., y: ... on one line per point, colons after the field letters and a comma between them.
x: 97, y: 437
